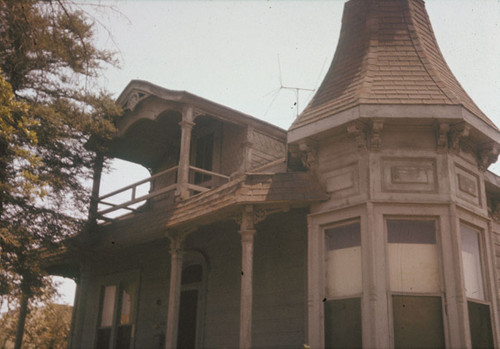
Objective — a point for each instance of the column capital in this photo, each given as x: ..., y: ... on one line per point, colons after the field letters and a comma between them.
x: 186, y: 124
x: 247, y: 235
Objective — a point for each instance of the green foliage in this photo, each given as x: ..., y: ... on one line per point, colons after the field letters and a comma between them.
x: 47, y: 326
x: 53, y: 120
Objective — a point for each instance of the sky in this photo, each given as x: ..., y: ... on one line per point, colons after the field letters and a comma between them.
x: 242, y: 53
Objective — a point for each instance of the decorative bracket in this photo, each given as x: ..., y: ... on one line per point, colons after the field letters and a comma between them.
x: 488, y: 154
x: 375, y: 131
x: 442, y: 137
x: 251, y: 215
x: 309, y: 154
x: 457, y: 133
x: 357, y: 130
x: 495, y: 211
x: 134, y: 99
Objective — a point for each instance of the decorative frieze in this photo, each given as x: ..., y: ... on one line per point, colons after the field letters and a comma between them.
x: 344, y: 180
x: 467, y: 186
x: 409, y: 175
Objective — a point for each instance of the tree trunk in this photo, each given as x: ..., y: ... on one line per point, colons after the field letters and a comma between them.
x: 23, y: 312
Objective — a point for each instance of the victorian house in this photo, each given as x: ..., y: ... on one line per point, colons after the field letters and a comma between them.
x: 372, y: 222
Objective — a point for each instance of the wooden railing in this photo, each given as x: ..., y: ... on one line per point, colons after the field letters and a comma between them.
x: 216, y: 179
x: 133, y: 189
x: 208, y: 184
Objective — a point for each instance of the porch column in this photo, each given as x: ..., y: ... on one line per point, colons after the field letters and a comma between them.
x: 247, y: 233
x: 174, y: 294
x: 94, y: 198
x: 183, y: 171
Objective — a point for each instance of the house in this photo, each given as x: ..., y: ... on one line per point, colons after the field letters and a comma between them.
x: 371, y: 222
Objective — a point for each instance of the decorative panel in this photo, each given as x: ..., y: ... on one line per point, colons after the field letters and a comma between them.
x: 344, y: 180
x: 467, y: 186
x: 409, y: 175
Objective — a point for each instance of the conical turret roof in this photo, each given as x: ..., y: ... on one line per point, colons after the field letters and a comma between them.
x: 387, y: 54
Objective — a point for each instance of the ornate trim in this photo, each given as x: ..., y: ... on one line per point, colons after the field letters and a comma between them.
x: 376, y: 129
x: 309, y: 154
x: 357, y: 130
x: 133, y: 99
x: 442, y: 137
x: 457, y: 133
x: 487, y: 155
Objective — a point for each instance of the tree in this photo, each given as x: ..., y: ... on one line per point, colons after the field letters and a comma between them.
x: 53, y: 125
x: 47, y: 326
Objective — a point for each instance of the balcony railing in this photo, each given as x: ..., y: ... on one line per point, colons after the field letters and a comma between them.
x: 209, y: 180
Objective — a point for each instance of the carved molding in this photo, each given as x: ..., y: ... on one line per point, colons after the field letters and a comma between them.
x: 442, y: 138
x: 250, y: 216
x: 488, y: 154
x: 495, y: 211
x: 134, y: 99
x: 357, y: 130
x: 375, y: 132
x: 309, y: 154
x: 457, y: 133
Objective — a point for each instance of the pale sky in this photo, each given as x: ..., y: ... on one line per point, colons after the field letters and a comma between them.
x: 227, y: 52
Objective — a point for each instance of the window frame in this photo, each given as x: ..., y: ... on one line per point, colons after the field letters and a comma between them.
x: 439, y: 250
x: 485, y: 271
x: 118, y: 280
x: 324, y: 271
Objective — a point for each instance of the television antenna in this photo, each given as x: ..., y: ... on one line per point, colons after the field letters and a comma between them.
x: 297, y: 91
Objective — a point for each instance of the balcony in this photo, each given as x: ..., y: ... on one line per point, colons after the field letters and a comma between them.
x: 163, y: 183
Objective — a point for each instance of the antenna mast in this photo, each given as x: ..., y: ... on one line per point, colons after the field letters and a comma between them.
x: 296, y: 89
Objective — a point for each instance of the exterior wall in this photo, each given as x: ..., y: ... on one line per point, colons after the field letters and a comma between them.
x: 265, y: 149
x: 279, y: 285
x: 404, y: 176
x: 231, y: 149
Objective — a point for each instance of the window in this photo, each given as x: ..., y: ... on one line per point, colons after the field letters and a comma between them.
x: 188, y: 330
x: 116, y: 315
x: 479, y: 312
x: 414, y: 280
x: 343, y: 286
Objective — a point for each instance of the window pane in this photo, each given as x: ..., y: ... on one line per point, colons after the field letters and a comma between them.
x: 418, y: 322
x: 343, y: 260
x: 188, y: 310
x: 480, y: 325
x: 473, y: 275
x: 123, y: 336
x: 128, y: 290
x: 343, y: 323
x: 413, y: 256
x: 108, y: 305
x: 192, y: 274
x: 103, y: 338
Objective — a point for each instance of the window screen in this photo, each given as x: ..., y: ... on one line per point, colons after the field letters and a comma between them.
x: 418, y: 322
x: 413, y: 256
x: 343, y: 260
x: 471, y: 260
x: 343, y: 323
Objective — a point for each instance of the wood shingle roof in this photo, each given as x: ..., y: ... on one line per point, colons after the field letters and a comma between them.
x: 387, y: 54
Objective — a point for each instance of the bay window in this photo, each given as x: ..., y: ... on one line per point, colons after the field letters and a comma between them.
x: 478, y: 307
x: 414, y: 280
x: 343, y: 286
